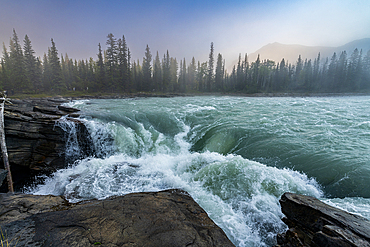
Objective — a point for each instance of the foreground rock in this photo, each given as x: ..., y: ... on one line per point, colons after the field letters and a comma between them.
x: 35, y: 144
x: 166, y: 218
x: 314, y: 223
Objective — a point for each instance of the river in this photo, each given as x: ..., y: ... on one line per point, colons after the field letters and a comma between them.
x: 235, y: 155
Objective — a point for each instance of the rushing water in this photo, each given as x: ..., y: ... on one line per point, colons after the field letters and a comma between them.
x: 235, y: 155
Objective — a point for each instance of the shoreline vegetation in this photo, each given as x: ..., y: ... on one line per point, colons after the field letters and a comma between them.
x: 115, y: 72
x: 81, y: 95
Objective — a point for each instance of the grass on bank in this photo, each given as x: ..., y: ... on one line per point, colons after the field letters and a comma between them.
x: 5, y: 242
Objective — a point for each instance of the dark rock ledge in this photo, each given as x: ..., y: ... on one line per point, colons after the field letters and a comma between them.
x: 167, y: 218
x: 314, y: 223
x: 35, y: 144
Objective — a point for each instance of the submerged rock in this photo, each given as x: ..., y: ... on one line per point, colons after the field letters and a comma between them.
x: 314, y: 223
x: 166, y: 218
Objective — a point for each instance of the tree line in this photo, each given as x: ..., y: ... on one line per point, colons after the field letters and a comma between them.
x: 114, y: 72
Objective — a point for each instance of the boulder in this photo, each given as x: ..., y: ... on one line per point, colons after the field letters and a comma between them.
x: 166, y: 218
x: 314, y: 223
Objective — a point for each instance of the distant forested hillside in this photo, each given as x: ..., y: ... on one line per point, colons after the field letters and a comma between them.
x: 113, y: 71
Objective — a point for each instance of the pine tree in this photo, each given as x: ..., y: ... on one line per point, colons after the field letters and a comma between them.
x: 166, y: 73
x: 16, y: 64
x: 354, y: 70
x: 202, y: 75
x: 210, y: 77
x: 157, y: 74
x: 341, y: 73
x: 173, y: 75
x: 55, y: 69
x: 122, y: 63
x: 100, y: 74
x: 147, y: 70
x: 255, y: 76
x: 32, y: 74
x: 332, y: 73
x: 246, y: 72
x: 182, y: 76
x: 191, y: 75
x: 67, y: 68
x: 219, y: 74
x: 111, y: 62
x: 129, y: 71
x: 46, y: 73
x: 5, y: 72
x: 316, y: 71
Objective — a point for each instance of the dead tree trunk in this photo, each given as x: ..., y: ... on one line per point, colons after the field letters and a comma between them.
x: 3, y: 144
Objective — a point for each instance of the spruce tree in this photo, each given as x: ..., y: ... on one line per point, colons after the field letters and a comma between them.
x: 157, y: 74
x: 55, y: 69
x: 182, y: 76
x: 100, y: 74
x: 111, y: 62
x: 147, y: 70
x: 129, y: 71
x: 191, y: 75
x: 16, y: 64
x: 122, y: 63
x: 166, y: 72
x: 210, y: 77
x: 46, y: 73
x: 5, y: 72
x: 219, y: 74
x: 173, y: 74
x: 32, y: 75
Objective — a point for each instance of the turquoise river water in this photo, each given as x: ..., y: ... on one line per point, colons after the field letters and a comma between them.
x: 235, y: 155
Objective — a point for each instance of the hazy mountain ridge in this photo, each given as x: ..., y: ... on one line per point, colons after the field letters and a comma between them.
x: 277, y: 51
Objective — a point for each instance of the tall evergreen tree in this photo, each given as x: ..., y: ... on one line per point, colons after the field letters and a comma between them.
x: 16, y: 64
x: 5, y: 71
x: 111, y: 62
x: 202, y: 75
x: 191, y: 75
x: 157, y: 74
x: 253, y: 87
x: 182, y: 76
x: 332, y: 73
x: 100, y: 73
x: 354, y: 70
x: 55, y: 69
x: 210, y: 77
x: 166, y: 72
x: 219, y: 74
x: 173, y: 75
x: 341, y: 73
x: 122, y: 63
x: 32, y: 73
x: 147, y: 70
x: 46, y: 73
x: 129, y: 71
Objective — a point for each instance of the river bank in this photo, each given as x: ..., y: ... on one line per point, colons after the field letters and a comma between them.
x: 81, y: 95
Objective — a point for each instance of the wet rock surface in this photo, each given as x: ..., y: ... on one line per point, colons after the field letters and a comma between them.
x: 166, y: 218
x: 35, y: 144
x: 3, y: 174
x: 314, y: 223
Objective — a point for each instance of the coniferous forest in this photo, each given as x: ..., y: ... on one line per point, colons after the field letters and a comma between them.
x: 113, y: 71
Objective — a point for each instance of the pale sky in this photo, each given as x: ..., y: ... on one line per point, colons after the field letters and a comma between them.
x: 186, y: 28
